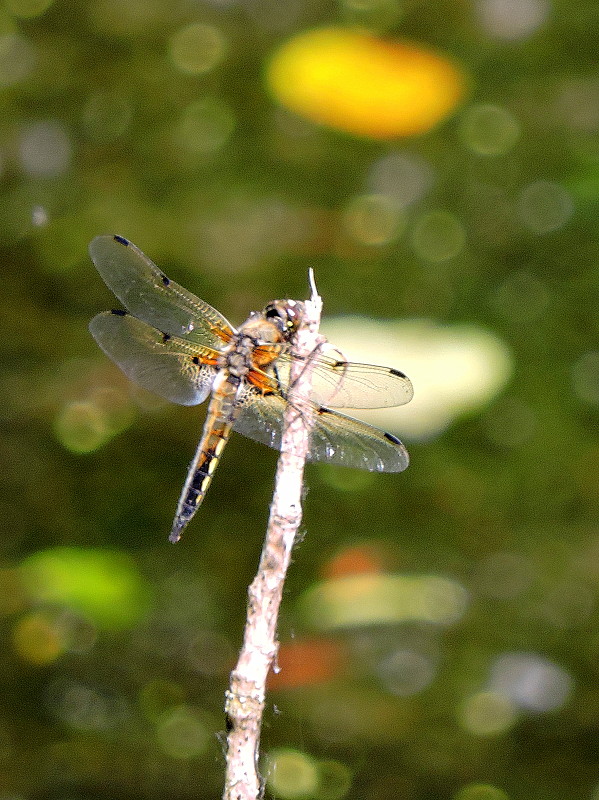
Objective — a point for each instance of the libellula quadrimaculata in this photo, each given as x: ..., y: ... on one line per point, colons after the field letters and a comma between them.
x: 176, y: 345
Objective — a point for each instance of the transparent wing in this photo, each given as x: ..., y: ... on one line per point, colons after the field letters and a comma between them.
x: 151, y: 296
x: 343, y: 384
x: 173, y: 368
x: 336, y: 438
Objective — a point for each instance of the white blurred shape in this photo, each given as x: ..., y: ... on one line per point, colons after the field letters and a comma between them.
x: 512, y: 19
x: 39, y: 216
x: 454, y: 369
x: 403, y: 177
x: 531, y: 681
x: 45, y: 149
x: 406, y: 672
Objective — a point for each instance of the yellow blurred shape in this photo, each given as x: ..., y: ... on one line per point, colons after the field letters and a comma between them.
x: 378, y: 599
x: 83, y: 426
x: 361, y: 84
x: 487, y: 714
x: 291, y: 774
x: 37, y: 640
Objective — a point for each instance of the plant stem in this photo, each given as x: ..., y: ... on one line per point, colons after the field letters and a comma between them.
x: 244, y: 703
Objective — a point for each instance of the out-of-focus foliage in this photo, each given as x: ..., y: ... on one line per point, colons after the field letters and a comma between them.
x: 440, y: 628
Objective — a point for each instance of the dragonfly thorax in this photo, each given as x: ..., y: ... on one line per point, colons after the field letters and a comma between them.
x: 239, y: 361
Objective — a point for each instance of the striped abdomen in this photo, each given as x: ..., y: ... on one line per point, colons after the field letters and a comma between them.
x: 217, y: 428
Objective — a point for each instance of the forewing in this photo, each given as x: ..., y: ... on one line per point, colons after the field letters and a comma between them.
x: 335, y: 438
x: 173, y: 368
x: 344, y: 384
x: 154, y: 298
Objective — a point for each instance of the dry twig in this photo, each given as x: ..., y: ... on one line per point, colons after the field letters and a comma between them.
x: 245, y: 699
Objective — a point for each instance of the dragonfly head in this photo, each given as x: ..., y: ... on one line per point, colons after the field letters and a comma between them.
x: 285, y: 314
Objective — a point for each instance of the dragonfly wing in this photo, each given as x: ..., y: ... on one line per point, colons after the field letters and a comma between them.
x: 173, y: 368
x: 154, y: 298
x: 344, y: 384
x: 336, y: 438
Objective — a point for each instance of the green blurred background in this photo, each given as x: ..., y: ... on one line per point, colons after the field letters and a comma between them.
x: 439, y: 627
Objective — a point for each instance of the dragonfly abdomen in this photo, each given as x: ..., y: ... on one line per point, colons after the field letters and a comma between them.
x: 217, y: 429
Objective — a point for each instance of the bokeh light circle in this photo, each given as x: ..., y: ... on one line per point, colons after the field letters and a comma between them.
x: 334, y: 779
x: 406, y: 672
x: 480, y: 791
x: 405, y: 177
x: 18, y: 57
x: 197, y: 48
x: 487, y: 714
x: 205, y: 126
x: 512, y: 20
x: 438, y: 236
x: 544, y: 206
x: 585, y: 374
x: 531, y: 681
x: 374, y: 219
x: 183, y: 734
x: 489, y: 130
x: 291, y: 775
x: 106, y: 116
x: 45, y: 149
x: 37, y: 639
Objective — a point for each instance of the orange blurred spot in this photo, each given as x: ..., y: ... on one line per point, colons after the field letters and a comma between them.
x: 360, y: 84
x: 306, y: 663
x: 358, y: 560
x: 37, y: 640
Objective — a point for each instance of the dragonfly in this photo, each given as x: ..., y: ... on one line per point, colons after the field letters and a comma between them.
x: 175, y: 345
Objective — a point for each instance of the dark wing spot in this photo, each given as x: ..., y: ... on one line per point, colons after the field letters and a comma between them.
x: 118, y: 312
x: 195, y: 360
x: 121, y: 240
x: 339, y: 364
x: 397, y: 372
x: 164, y: 279
x: 165, y: 337
x: 391, y: 438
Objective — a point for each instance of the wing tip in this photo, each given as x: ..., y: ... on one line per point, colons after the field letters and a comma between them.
x: 101, y: 240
